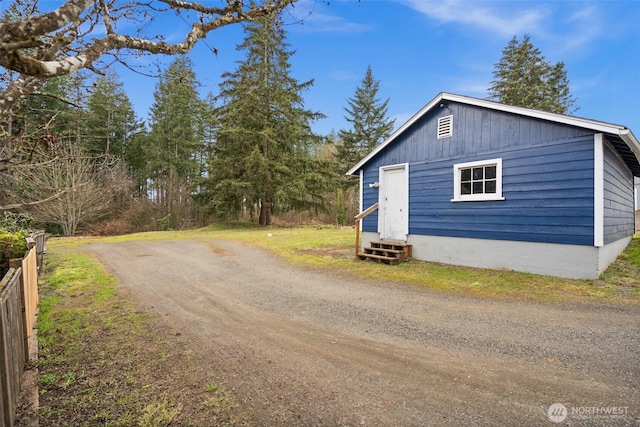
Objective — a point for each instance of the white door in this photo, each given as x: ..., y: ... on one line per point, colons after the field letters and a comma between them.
x: 394, y: 197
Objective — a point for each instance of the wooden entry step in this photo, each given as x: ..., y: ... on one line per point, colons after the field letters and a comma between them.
x: 388, y: 252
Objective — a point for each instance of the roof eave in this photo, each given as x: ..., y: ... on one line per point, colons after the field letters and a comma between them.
x: 398, y: 131
x: 623, y: 132
x: 632, y: 142
x: 590, y: 124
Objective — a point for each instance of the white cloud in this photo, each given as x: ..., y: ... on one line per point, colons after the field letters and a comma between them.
x: 314, y: 16
x: 566, y: 28
x: 583, y: 26
x: 593, y: 81
x: 503, y: 21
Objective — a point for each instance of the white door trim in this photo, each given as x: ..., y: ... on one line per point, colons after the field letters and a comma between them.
x: 382, y: 198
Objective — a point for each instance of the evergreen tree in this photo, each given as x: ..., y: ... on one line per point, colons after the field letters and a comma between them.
x: 368, y: 118
x: 136, y: 159
x: 523, y: 77
x: 174, y: 149
x: 262, y: 154
x: 110, y: 120
x: 559, y: 96
x: 53, y: 110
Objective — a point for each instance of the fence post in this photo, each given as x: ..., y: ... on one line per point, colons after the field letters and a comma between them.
x: 29, y: 296
x: 40, y: 242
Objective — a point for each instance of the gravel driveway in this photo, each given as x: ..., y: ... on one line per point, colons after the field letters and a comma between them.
x: 308, y: 347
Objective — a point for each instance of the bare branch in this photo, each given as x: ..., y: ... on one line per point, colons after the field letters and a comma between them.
x: 43, y: 24
x: 23, y: 44
x: 16, y: 206
x: 59, y: 30
x: 17, y: 90
x: 106, y: 18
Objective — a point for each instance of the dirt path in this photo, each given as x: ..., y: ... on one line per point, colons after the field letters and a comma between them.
x: 298, y: 347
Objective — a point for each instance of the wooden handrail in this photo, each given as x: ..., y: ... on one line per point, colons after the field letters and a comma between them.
x: 366, y: 212
x: 358, y: 218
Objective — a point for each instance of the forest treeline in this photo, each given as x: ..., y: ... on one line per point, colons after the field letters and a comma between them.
x: 82, y: 161
x: 75, y: 157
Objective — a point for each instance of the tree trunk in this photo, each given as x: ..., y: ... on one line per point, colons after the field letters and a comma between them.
x: 265, y: 212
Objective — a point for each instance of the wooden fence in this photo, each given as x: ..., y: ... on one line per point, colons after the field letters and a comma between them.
x: 18, y: 305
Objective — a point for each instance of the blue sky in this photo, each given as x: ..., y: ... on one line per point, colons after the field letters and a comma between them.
x: 418, y: 48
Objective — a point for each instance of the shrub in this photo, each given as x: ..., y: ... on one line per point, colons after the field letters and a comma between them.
x: 14, y: 222
x: 12, y: 245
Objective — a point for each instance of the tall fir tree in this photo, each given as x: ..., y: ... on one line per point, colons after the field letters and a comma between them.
x: 110, y: 120
x: 262, y: 154
x: 369, y: 122
x: 53, y: 110
x: 558, y: 92
x: 175, y: 143
x: 136, y: 159
x: 523, y: 77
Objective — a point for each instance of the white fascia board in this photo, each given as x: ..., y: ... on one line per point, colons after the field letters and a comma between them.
x: 398, y: 131
x: 623, y: 132
x: 539, y: 114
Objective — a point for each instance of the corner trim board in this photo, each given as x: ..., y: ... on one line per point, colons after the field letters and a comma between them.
x: 598, y: 190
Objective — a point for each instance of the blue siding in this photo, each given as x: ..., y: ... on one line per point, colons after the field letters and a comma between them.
x: 548, y: 191
x: 547, y: 177
x: 370, y: 196
x: 475, y: 130
x: 619, y: 214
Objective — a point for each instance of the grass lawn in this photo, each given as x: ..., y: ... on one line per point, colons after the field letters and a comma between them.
x: 102, y: 360
x: 331, y: 248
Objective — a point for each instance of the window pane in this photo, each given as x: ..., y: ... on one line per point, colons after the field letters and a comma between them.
x: 478, y: 173
x: 490, y: 172
x: 481, y: 180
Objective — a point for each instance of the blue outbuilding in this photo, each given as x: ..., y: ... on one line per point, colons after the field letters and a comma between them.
x: 478, y: 183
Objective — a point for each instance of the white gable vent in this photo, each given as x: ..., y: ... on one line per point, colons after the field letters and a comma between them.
x: 445, y: 127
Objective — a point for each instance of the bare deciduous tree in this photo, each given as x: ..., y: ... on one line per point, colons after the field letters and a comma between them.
x: 82, y: 34
x: 26, y: 148
x: 83, y: 188
x: 65, y: 40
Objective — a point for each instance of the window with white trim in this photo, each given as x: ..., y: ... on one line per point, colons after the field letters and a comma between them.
x: 473, y: 181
